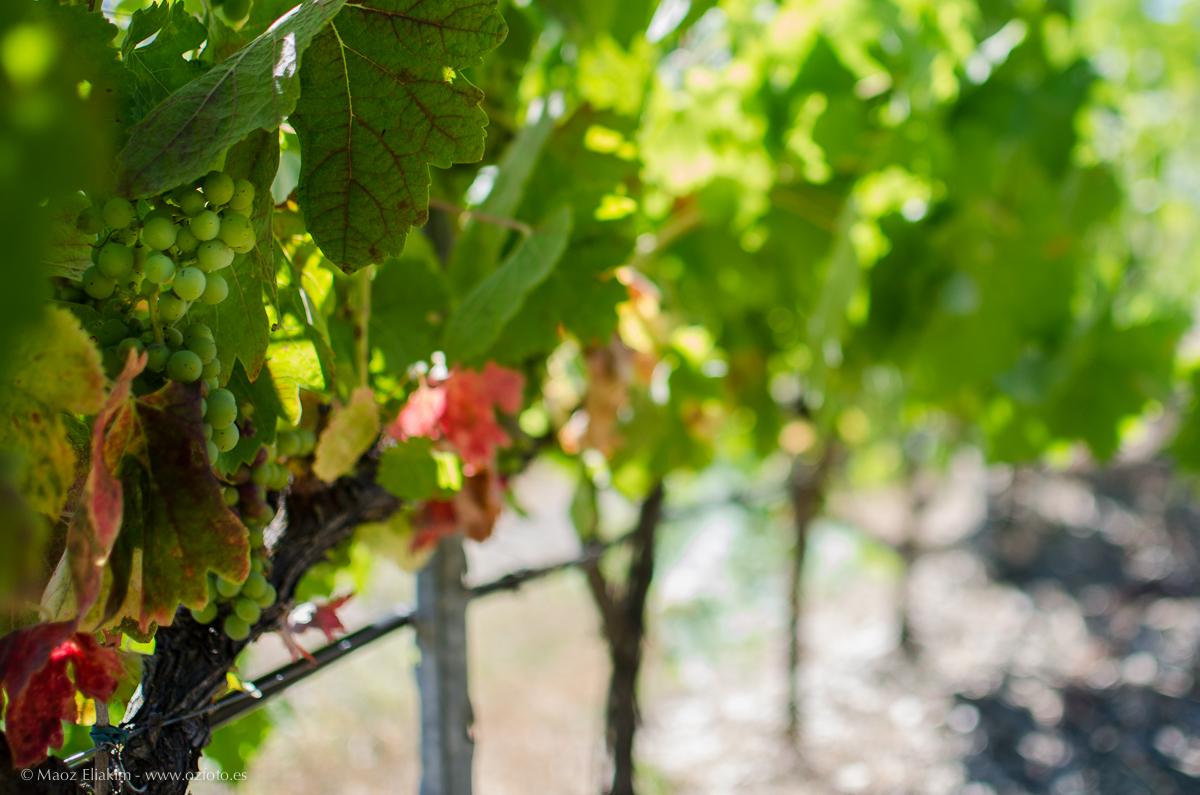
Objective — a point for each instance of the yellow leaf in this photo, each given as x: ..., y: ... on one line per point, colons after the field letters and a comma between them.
x: 348, y: 435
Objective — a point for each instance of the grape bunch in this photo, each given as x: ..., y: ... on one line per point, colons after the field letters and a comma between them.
x: 152, y: 262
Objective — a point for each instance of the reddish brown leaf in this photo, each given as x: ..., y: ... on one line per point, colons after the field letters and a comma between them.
x: 320, y: 616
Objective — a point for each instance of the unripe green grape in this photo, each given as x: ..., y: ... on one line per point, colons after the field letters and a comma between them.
x: 184, y: 366
x: 214, y: 255
x: 216, y: 289
x: 268, y: 598
x: 185, y: 241
x: 115, y: 261
x: 173, y: 336
x: 158, y: 268
x: 211, y: 383
x: 308, y: 440
x: 288, y: 444
x: 222, y: 408
x: 235, y: 627
x: 247, y: 610
x: 189, y: 284
x: 191, y: 202
x: 171, y: 307
x: 261, y: 474
x: 256, y: 584
x: 205, y: 349
x: 159, y: 232
x: 205, y: 225
x: 205, y: 615
x: 231, y: 497
x: 243, y: 196
x: 212, y: 370
x: 157, y: 356
x: 227, y: 589
x: 257, y: 538
x: 236, y: 10
x: 226, y: 438
x: 211, y: 450
x: 197, y: 331
x: 111, y: 332
x: 237, y: 232
x: 89, y: 221
x: 128, y: 344
x: 96, y: 284
x: 208, y: 428
x: 118, y: 213
x: 218, y: 188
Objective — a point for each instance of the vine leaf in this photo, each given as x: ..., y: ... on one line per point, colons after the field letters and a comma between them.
x: 33, y: 666
x: 253, y: 89
x: 349, y: 434
x: 477, y: 322
x: 381, y: 100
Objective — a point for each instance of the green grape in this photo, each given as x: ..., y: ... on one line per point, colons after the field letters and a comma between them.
x: 159, y: 233
x: 208, y: 428
x: 261, y: 474
x: 288, y: 444
x: 128, y: 344
x: 218, y: 188
x: 308, y: 440
x: 226, y: 438
x: 184, y: 366
x: 111, y: 332
x: 118, y: 213
x: 247, y: 610
x: 90, y: 221
x: 191, y: 202
x: 211, y: 383
x: 189, y: 284
x: 211, y: 450
x: 157, y: 356
x: 205, y: 225
x: 236, y: 10
x: 205, y: 349
x: 197, y: 331
x: 211, y: 370
x: 115, y: 260
x: 268, y: 598
x: 257, y: 538
x: 214, y: 255
x: 216, y: 289
x: 171, y: 307
x: 243, y: 196
x: 158, y: 269
x: 185, y: 241
x: 173, y: 336
x: 205, y: 615
x: 227, y: 589
x: 236, y: 628
x: 237, y: 232
x: 256, y: 584
x: 230, y: 495
x: 70, y: 293
x: 96, y: 284
x: 222, y: 408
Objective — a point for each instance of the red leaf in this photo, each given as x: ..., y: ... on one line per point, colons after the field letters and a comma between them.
x: 474, y: 511
x: 320, y: 616
x: 41, y: 694
x: 462, y: 411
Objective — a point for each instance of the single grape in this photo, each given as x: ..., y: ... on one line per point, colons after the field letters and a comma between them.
x: 222, y: 408
x: 208, y: 429
x: 118, y: 213
x: 171, y: 307
x: 308, y: 440
x: 205, y: 225
x: 256, y: 584
x: 115, y: 261
x: 227, y: 589
x: 191, y: 202
x: 236, y: 627
x: 231, y: 497
x: 90, y: 221
x: 236, y: 10
x: 268, y: 598
x: 184, y: 366
x: 257, y: 538
x: 111, y: 332
x: 159, y: 232
x: 129, y: 344
x: 205, y: 615
x: 237, y: 232
x: 226, y: 438
x: 189, y: 284
x: 185, y: 241
x: 211, y: 370
x: 158, y: 269
x: 96, y: 284
x: 247, y: 610
x: 211, y: 383
x: 214, y: 255
x: 205, y: 349
x: 157, y: 356
x: 197, y: 331
x: 216, y: 289
x: 288, y: 443
x: 211, y: 450
x: 218, y: 188
x: 243, y: 196
x: 173, y: 336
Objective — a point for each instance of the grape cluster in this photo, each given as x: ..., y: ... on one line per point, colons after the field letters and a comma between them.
x: 152, y: 262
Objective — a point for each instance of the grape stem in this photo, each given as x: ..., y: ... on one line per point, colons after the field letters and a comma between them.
x: 483, y: 218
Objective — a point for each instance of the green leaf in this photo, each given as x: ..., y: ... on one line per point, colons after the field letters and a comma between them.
x: 348, y: 435
x: 240, y: 323
x: 159, y: 68
x: 254, y: 89
x: 68, y: 250
x: 294, y: 365
x: 383, y: 99
x: 409, y: 470
x: 477, y: 322
x: 477, y: 249
x: 408, y: 304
